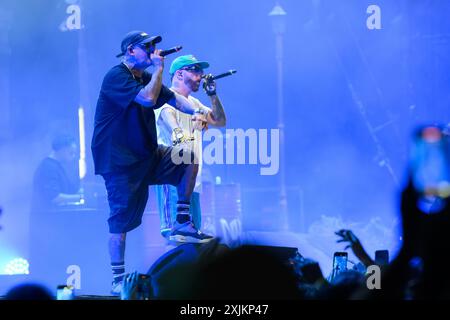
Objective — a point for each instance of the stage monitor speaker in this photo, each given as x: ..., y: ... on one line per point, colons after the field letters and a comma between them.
x: 188, y: 253
x: 173, y: 270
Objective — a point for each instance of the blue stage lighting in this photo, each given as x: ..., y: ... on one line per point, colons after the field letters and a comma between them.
x: 17, y: 266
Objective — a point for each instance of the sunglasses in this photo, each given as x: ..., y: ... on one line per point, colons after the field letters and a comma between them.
x: 194, y: 68
x: 147, y: 47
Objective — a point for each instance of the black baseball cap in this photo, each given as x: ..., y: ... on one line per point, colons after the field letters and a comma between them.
x: 136, y: 37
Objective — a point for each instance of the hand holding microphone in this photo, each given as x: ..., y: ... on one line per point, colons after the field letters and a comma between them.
x: 158, y: 55
x: 157, y: 59
x: 210, y: 85
x: 222, y: 75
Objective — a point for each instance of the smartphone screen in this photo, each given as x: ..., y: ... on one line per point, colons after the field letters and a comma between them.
x: 430, y: 167
x: 340, y: 262
x: 382, y: 257
x: 64, y: 293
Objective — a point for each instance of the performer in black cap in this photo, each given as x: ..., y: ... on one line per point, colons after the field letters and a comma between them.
x: 125, y: 149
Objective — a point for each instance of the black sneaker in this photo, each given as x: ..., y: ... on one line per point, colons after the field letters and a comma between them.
x: 186, y: 232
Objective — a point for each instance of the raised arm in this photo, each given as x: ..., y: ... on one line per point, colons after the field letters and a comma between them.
x: 356, y: 246
x: 217, y: 116
x: 148, y: 96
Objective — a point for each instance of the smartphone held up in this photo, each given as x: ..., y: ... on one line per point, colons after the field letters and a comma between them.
x: 430, y: 167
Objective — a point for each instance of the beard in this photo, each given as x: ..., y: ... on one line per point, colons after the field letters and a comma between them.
x: 142, y: 63
x: 193, y: 85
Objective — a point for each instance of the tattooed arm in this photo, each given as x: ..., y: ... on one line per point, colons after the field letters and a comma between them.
x: 217, y: 116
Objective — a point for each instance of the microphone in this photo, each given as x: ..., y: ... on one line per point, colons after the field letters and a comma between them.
x: 170, y: 51
x: 222, y: 75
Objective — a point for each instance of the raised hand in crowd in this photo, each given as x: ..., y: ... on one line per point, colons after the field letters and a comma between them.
x: 347, y: 236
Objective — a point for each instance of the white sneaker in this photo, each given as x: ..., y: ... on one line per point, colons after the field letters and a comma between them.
x: 116, y: 288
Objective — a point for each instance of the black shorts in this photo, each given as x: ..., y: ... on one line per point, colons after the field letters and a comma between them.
x: 128, y: 190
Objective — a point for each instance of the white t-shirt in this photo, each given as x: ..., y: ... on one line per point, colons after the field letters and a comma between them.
x: 186, y: 124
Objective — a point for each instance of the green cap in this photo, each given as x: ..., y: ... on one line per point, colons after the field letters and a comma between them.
x: 186, y: 61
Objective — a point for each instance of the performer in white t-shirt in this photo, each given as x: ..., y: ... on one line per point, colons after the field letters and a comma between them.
x: 175, y: 127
